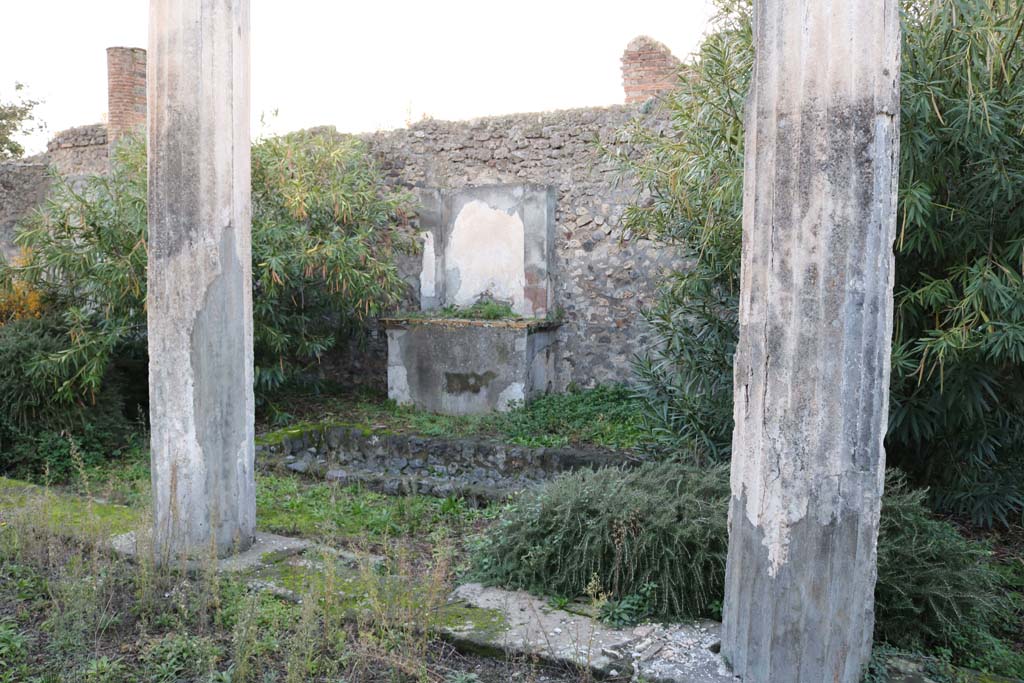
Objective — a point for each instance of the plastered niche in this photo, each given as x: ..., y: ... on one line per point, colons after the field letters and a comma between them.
x: 484, y: 257
x: 488, y: 242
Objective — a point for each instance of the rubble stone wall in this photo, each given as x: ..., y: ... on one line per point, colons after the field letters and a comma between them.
x: 602, y: 276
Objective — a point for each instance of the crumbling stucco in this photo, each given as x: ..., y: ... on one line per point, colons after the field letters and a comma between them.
x: 428, y: 285
x: 462, y: 367
x: 812, y: 362
x: 199, y: 299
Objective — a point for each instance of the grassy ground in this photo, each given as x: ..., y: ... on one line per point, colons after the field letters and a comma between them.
x: 605, y: 416
x: 70, y: 611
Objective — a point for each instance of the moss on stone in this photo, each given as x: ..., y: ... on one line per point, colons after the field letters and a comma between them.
x: 276, y: 437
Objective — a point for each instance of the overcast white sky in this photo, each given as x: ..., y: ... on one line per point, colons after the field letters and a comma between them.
x: 360, y: 65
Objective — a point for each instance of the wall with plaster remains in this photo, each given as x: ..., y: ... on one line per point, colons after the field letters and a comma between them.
x: 601, y: 276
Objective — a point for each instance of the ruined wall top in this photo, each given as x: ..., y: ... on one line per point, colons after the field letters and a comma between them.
x: 648, y: 68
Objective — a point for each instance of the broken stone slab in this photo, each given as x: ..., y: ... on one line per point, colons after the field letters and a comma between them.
x: 294, y: 576
x: 266, y: 549
x: 653, y: 653
x: 678, y: 653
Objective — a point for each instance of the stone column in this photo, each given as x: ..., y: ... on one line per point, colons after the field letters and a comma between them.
x: 812, y: 364
x: 200, y: 293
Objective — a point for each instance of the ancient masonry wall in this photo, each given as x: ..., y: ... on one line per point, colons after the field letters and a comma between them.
x: 603, y: 277
x: 79, y: 151
x: 22, y: 188
x: 75, y: 152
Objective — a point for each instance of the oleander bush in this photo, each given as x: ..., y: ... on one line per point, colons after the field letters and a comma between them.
x: 957, y: 393
x: 324, y: 241
x: 35, y: 430
x: 325, y: 233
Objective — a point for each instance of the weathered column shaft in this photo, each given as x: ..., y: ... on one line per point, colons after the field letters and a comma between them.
x: 200, y: 294
x: 812, y: 364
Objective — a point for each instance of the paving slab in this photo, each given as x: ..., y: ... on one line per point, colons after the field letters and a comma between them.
x: 653, y: 653
x: 266, y: 549
x: 676, y: 653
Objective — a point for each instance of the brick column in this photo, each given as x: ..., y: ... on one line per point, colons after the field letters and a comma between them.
x: 648, y: 69
x: 126, y: 91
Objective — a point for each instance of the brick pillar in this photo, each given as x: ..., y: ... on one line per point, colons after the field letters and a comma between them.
x: 648, y: 69
x: 126, y: 91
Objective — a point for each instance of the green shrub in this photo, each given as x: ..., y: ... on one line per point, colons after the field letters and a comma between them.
x: 84, y: 254
x: 656, y: 540
x: 957, y: 392
x: 938, y: 589
x: 26, y: 388
x: 35, y: 430
x: 661, y: 524
x: 485, y: 309
x: 607, y: 415
x: 325, y: 233
x: 177, y: 657
x: 323, y: 246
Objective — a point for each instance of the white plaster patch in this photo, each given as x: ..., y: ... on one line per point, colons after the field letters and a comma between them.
x: 485, y: 254
x: 513, y: 392
x: 428, y: 285
x: 398, y: 385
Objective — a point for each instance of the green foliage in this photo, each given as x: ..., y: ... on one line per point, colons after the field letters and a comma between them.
x: 462, y: 677
x: 660, y: 524
x: 655, y: 538
x: 485, y: 309
x: 26, y: 380
x: 34, y: 428
x: 15, y: 119
x: 694, y: 179
x: 937, y: 669
x: 957, y: 391
x: 606, y: 415
x: 937, y: 589
x: 288, y: 505
x: 13, y: 644
x: 104, y: 670
x: 178, y: 657
x: 322, y: 249
x: 85, y: 255
x: 630, y: 610
x: 957, y: 416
